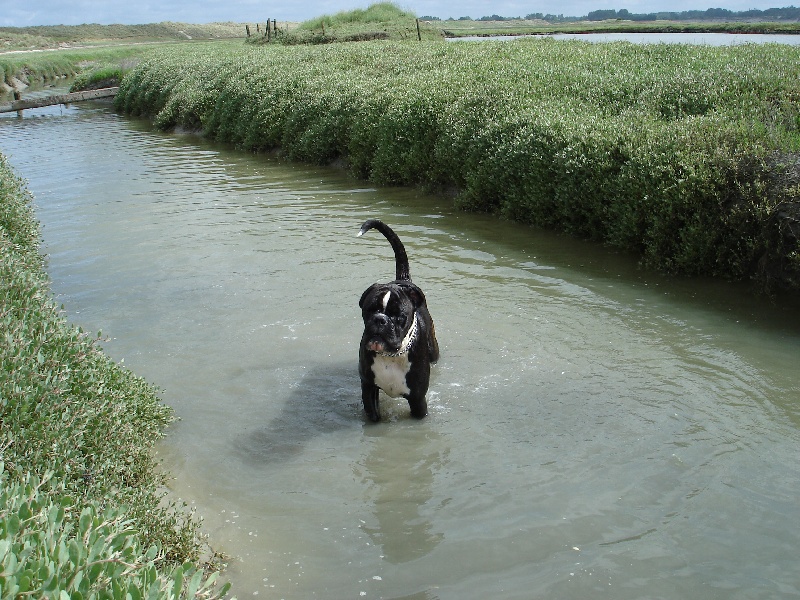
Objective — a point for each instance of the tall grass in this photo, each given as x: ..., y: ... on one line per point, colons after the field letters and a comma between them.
x: 82, y: 507
x: 679, y: 153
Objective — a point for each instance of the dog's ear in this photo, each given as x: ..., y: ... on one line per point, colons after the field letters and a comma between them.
x: 416, y: 294
x: 366, y: 293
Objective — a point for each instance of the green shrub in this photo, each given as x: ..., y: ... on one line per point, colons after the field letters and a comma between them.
x: 51, y: 547
x: 649, y: 148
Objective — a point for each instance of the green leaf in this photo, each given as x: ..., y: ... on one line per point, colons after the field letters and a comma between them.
x: 95, y: 571
x: 12, y: 525
x: 85, y: 522
x: 5, y: 545
x: 224, y: 590
x: 44, y: 572
x: 25, y: 512
x: 151, y: 553
x: 194, y: 584
x: 75, y: 552
x: 117, y: 589
x: 177, y: 582
x: 25, y: 582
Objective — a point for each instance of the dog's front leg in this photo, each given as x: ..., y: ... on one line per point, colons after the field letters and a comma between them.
x: 418, y: 406
x: 369, y: 395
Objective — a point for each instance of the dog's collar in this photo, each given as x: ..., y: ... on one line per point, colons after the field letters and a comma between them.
x: 407, y: 342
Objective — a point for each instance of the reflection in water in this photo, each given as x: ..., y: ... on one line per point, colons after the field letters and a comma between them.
x: 399, y: 486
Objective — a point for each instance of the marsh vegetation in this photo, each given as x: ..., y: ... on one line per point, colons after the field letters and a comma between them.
x: 679, y: 153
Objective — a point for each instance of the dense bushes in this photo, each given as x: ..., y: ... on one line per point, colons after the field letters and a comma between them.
x: 679, y: 153
x: 52, y: 547
x: 60, y: 397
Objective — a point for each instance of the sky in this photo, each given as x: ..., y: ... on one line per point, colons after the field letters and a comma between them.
x: 21, y: 13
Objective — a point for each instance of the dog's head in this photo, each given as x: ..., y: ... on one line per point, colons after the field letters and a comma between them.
x: 388, y: 311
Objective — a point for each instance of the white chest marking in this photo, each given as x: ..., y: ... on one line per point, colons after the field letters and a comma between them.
x: 390, y: 374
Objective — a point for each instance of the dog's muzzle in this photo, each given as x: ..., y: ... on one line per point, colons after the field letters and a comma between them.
x: 405, y: 345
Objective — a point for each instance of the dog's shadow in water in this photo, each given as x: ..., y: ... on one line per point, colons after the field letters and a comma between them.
x: 326, y: 399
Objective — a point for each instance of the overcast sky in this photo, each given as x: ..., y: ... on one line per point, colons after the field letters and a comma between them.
x: 19, y: 13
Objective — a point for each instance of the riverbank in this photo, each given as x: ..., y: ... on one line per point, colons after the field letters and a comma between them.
x: 82, y: 508
x: 19, y: 71
x: 686, y: 155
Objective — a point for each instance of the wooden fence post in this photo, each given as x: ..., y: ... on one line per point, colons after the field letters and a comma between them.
x: 247, y: 28
x: 419, y: 35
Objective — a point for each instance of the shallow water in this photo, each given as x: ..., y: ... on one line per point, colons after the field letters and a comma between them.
x: 593, y: 429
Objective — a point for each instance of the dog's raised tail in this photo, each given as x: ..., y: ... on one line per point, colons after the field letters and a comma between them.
x: 400, y: 256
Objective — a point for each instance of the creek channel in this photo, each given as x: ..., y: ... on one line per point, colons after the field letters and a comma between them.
x: 594, y: 429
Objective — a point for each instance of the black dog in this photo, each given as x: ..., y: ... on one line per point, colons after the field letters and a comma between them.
x: 399, y: 342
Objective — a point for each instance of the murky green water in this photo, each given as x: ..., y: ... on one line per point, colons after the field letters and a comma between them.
x: 594, y: 431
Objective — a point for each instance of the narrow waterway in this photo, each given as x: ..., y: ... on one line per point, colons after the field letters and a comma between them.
x: 594, y: 430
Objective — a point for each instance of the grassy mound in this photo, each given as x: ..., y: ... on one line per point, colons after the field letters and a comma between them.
x: 381, y: 12
x: 381, y: 21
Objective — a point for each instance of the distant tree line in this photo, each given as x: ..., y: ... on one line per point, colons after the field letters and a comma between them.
x: 789, y: 13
